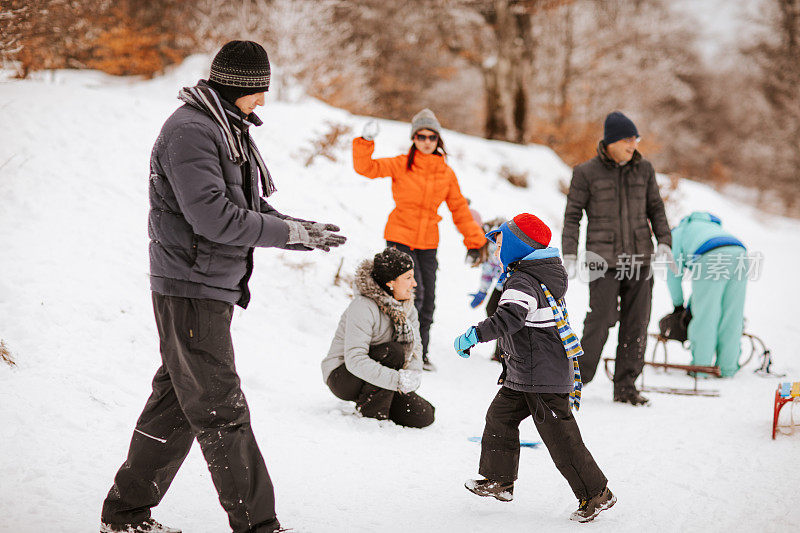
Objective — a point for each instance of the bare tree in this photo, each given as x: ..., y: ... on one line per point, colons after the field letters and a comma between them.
x: 497, y: 37
x: 775, y: 57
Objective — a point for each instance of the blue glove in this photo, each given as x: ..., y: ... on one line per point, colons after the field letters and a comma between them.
x: 477, y: 298
x: 464, y: 342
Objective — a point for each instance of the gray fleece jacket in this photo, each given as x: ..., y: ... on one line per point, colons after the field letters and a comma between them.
x: 362, y: 325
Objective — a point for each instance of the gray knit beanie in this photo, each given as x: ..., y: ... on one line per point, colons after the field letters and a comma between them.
x: 424, y: 120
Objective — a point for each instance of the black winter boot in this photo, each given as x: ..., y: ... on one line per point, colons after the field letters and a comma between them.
x: 590, y: 508
x: 148, y: 526
x: 630, y: 396
x: 496, y: 489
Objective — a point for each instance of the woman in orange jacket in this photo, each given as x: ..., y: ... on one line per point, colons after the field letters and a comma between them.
x: 421, y: 181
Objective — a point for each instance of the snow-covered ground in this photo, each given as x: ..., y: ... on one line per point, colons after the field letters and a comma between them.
x: 75, y: 311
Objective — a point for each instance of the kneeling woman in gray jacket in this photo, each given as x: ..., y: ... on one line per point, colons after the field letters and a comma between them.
x: 375, y: 358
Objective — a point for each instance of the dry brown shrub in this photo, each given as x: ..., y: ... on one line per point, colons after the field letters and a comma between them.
x: 335, y: 138
x: 573, y: 141
x: 5, y: 354
x: 116, y: 36
x: 125, y: 50
x: 514, y: 177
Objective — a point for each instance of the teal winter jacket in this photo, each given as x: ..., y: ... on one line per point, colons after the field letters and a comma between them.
x: 695, y: 235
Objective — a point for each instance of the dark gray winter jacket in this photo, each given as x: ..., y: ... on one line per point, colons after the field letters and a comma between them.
x: 534, y: 358
x: 622, y: 203
x: 205, y: 213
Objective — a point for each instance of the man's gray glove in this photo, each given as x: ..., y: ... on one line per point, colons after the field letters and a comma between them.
x: 664, y: 255
x: 370, y: 130
x: 570, y: 265
x: 314, y: 234
x: 409, y: 380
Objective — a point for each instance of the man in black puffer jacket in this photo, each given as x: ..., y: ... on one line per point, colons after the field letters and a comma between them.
x: 206, y: 217
x: 538, y: 377
x: 619, y: 193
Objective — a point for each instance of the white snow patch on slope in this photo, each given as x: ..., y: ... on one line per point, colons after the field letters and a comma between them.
x: 75, y: 311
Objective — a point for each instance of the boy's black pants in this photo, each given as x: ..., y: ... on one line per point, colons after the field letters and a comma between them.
x: 196, y: 394
x: 411, y: 410
x: 558, y: 430
x: 425, y: 266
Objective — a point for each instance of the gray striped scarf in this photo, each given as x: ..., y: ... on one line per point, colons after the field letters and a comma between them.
x: 206, y: 99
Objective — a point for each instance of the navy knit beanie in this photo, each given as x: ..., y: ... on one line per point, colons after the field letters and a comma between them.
x: 618, y: 127
x: 240, y: 68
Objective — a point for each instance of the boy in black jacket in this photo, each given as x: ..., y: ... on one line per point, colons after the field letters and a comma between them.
x: 539, y: 376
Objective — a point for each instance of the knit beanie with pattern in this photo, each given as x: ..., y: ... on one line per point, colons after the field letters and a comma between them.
x: 389, y: 265
x: 424, y: 120
x: 240, y: 68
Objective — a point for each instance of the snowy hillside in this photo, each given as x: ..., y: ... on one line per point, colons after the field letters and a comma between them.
x: 75, y: 312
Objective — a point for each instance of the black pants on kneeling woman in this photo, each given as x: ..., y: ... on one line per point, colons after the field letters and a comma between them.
x: 411, y: 410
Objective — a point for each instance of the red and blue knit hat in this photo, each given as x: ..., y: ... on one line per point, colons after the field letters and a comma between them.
x: 521, y: 235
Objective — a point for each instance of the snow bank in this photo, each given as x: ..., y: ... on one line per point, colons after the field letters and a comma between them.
x: 75, y: 311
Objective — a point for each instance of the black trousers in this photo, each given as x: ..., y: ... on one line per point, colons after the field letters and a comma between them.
x: 411, y: 410
x: 196, y: 395
x: 425, y: 266
x: 558, y: 430
x: 626, y: 300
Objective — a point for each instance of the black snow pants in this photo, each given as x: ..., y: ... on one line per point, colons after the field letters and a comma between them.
x: 425, y: 266
x: 627, y: 300
x: 558, y: 430
x: 196, y: 395
x: 411, y: 410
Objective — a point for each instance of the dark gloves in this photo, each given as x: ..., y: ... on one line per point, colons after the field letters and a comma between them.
x: 477, y: 256
x: 314, y: 234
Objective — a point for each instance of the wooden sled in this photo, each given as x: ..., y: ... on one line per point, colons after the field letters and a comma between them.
x: 693, y: 370
x: 756, y: 346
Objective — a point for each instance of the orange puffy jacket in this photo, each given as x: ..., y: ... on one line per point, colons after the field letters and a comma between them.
x: 418, y: 193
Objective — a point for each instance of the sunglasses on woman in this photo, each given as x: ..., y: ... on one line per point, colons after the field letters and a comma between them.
x: 421, y: 137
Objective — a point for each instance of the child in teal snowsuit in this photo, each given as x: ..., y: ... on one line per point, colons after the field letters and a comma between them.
x: 719, y: 267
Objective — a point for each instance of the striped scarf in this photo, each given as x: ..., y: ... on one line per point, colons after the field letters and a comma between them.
x: 206, y: 99
x: 571, y: 344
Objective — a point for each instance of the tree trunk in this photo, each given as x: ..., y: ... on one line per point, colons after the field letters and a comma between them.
x: 507, y: 70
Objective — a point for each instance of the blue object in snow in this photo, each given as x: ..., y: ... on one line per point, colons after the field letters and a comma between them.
x: 522, y: 443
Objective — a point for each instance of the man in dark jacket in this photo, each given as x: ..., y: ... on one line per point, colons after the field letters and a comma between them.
x: 538, y: 378
x: 619, y: 193
x: 206, y: 217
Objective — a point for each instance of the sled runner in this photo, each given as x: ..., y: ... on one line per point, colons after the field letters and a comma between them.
x: 673, y: 327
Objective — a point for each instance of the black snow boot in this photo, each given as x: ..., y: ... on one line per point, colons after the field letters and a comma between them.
x: 496, y: 489
x: 148, y: 526
x: 590, y: 508
x: 630, y: 396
